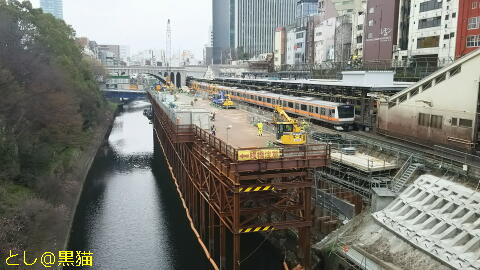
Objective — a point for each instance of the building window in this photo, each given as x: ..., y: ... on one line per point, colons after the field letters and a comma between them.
x: 430, y: 5
x: 359, y: 39
x: 428, y: 42
x: 454, y: 15
x: 465, y: 123
x: 436, y: 121
x: 447, y: 36
x: 446, y: 17
x: 473, y: 23
x: 299, y: 35
x: 454, y: 121
x: 424, y: 119
x: 429, y: 22
x: 473, y: 41
x: 371, y: 10
x: 369, y: 35
x: 474, y: 5
x: 370, y: 23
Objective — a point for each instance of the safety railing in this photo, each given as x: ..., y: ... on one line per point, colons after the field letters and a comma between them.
x: 182, y: 133
x: 264, y: 153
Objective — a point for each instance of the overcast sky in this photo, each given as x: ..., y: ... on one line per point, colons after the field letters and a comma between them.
x: 141, y: 24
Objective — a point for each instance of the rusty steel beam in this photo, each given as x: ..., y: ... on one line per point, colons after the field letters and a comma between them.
x: 211, y: 180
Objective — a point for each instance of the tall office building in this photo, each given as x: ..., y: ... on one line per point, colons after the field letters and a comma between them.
x: 54, y: 7
x: 306, y: 8
x: 246, y: 28
x: 221, y: 29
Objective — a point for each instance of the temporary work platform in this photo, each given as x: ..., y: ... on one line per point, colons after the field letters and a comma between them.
x: 232, y: 191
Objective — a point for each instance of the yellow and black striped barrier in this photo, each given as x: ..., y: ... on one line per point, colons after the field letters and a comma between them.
x: 255, y: 189
x: 256, y: 229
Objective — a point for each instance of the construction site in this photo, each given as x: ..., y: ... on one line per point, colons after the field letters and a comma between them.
x: 347, y: 200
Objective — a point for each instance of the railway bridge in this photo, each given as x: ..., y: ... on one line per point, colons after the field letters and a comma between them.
x: 177, y: 75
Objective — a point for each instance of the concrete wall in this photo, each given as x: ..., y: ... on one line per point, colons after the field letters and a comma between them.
x: 454, y: 97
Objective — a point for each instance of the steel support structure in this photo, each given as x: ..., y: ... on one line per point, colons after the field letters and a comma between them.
x: 228, y: 196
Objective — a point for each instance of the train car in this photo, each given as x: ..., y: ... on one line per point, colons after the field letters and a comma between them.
x: 339, y: 115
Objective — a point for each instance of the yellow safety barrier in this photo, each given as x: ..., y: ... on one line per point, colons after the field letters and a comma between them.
x: 256, y: 229
x: 255, y: 189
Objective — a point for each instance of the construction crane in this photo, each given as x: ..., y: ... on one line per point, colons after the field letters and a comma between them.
x: 289, y: 132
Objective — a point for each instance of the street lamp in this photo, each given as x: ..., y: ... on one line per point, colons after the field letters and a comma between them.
x: 228, y: 128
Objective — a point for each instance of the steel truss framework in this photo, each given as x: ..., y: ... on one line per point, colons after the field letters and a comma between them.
x: 224, y: 194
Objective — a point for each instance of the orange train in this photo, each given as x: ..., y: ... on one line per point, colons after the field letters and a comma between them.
x: 341, y: 116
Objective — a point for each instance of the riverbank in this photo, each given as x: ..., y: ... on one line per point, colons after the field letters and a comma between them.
x: 38, y: 219
x: 85, y: 163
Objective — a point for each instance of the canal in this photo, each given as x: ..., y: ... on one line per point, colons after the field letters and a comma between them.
x: 129, y: 213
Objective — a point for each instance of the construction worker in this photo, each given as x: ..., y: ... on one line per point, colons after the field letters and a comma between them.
x: 260, y: 128
x: 213, y: 129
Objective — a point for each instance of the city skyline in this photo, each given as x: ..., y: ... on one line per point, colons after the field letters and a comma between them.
x: 140, y: 24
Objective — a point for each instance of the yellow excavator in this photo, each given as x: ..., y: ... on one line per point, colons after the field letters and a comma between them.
x: 289, y: 132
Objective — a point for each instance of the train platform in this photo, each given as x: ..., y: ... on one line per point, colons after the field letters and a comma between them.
x: 242, y: 132
x: 363, y: 162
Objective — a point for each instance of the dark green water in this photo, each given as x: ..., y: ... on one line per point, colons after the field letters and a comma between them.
x: 130, y: 215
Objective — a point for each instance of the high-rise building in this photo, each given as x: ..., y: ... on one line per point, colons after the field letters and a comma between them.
x: 222, y: 30
x: 279, y: 47
x: 468, y: 28
x: 306, y: 8
x: 246, y: 28
x: 431, y: 32
x: 256, y: 21
x: 54, y: 7
x: 380, y: 30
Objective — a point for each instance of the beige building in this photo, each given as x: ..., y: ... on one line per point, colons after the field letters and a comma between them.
x: 279, y: 47
x: 441, y: 109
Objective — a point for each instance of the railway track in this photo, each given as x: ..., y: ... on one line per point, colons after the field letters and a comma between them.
x: 436, y: 156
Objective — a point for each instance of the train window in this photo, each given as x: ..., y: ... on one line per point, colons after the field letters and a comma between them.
x: 436, y: 121
x: 424, y: 119
x: 316, y: 110
x: 454, y: 121
x: 332, y: 112
x: 322, y: 111
x: 290, y: 104
x: 296, y: 106
x: 465, y: 123
x: 269, y: 100
x: 251, y: 96
x: 346, y: 111
x: 303, y: 107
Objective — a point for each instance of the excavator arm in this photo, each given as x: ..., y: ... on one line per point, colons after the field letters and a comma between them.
x: 283, y: 114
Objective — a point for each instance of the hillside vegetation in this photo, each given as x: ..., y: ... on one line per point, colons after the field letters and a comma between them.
x: 50, y: 107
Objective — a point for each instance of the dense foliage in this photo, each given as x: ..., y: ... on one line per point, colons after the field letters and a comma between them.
x: 49, y: 107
